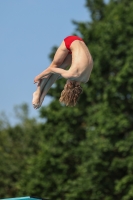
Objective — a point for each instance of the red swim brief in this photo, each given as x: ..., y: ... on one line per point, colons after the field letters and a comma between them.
x: 68, y: 41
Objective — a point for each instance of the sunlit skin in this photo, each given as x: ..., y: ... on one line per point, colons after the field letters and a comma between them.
x: 80, y: 62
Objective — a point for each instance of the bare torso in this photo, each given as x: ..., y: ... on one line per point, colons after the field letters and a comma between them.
x: 82, y: 62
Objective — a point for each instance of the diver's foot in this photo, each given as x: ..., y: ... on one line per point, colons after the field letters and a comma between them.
x: 35, y: 100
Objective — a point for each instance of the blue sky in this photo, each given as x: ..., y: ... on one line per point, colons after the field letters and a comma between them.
x: 28, y: 31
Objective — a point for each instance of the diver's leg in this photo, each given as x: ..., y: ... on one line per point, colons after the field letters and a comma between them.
x: 38, y: 92
x: 52, y: 79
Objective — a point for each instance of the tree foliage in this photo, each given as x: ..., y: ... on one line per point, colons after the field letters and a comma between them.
x: 17, y: 146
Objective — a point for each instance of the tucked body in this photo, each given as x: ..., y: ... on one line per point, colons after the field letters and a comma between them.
x: 72, y: 52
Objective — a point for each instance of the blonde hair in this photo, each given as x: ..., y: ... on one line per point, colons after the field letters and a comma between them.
x: 71, y: 93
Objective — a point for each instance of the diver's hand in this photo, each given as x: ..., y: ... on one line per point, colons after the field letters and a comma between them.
x: 37, y: 80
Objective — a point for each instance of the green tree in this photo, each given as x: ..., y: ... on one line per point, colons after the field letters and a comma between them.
x: 17, y: 146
